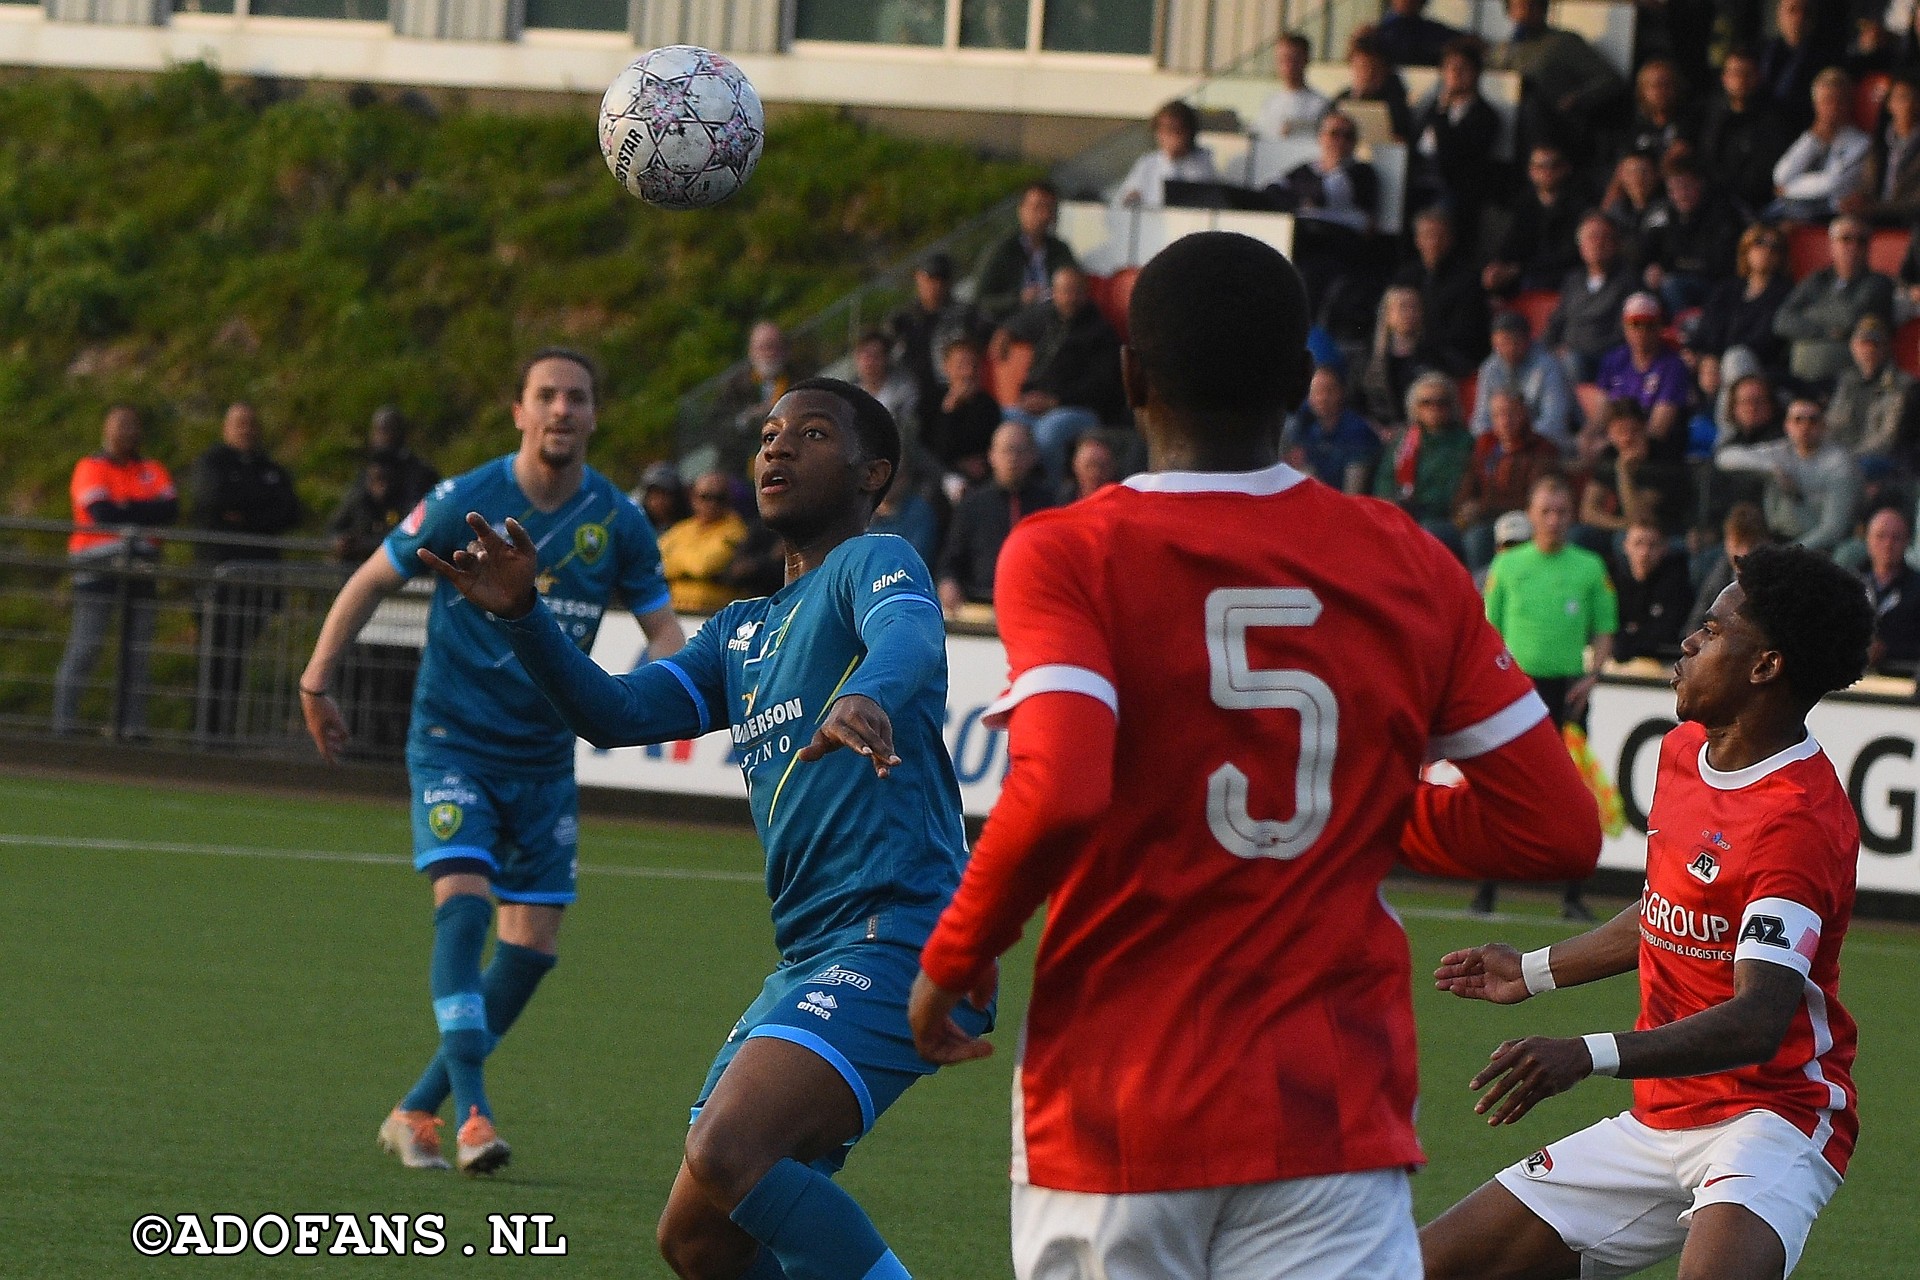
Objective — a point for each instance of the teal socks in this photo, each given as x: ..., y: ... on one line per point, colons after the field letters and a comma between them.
x: 813, y: 1229
x: 505, y: 988
x: 459, y: 936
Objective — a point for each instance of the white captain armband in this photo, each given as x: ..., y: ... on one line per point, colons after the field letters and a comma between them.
x: 1537, y: 970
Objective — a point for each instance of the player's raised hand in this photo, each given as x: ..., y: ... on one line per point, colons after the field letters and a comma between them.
x: 1491, y: 973
x: 490, y: 571
x: 1524, y: 1072
x: 858, y: 723
x: 937, y: 1037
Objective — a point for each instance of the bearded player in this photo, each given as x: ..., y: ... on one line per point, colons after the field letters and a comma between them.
x: 1743, y: 1102
x: 1226, y: 677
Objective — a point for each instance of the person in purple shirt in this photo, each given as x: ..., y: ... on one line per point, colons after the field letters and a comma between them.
x: 1648, y: 371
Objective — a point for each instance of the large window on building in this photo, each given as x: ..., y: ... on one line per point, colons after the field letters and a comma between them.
x: 873, y: 21
x: 1064, y: 26
x: 993, y: 24
x: 352, y: 10
x: 578, y: 15
x: 1098, y: 26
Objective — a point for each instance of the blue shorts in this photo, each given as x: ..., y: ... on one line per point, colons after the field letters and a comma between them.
x: 526, y: 831
x: 849, y: 1005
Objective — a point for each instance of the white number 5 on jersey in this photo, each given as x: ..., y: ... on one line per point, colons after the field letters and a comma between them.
x: 1237, y: 687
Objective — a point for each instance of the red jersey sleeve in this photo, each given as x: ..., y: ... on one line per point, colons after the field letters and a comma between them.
x: 1044, y: 603
x: 1486, y: 700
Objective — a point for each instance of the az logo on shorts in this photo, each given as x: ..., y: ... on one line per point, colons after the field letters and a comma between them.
x: 1537, y: 1165
x: 444, y: 819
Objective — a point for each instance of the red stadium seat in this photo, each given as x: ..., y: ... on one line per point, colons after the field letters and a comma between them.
x: 1807, y: 251
x: 1906, y: 347
x: 1469, y: 390
x: 1868, y: 96
x: 1887, y: 250
x: 1536, y: 305
x: 1005, y: 377
x: 1119, y: 295
x: 1100, y: 289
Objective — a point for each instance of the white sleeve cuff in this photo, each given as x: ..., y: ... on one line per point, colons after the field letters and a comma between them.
x: 1056, y: 677
x: 1496, y: 731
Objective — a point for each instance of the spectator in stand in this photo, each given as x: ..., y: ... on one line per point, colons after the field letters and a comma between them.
x: 663, y: 496
x: 1539, y: 247
x: 1524, y: 367
x: 984, y: 518
x: 1630, y: 199
x: 1335, y: 200
x: 1753, y: 413
x: 1176, y: 156
x: 1827, y: 162
x: 1402, y: 353
x: 367, y: 512
x: 875, y: 373
x: 1566, y: 86
x: 116, y: 486
x: 1455, y: 133
x: 1662, y: 114
x: 1074, y: 382
x: 1654, y: 593
x: 1889, y: 191
x: 1743, y: 529
x: 1691, y: 238
x: 1092, y: 465
x: 1425, y: 461
x: 1506, y: 463
x: 1293, y: 110
x: 749, y: 394
x: 909, y: 513
x: 1330, y: 441
x: 1812, y: 486
x: 957, y: 421
x: 1894, y: 588
x: 1629, y: 485
x: 1646, y: 370
x: 1819, y: 315
x: 1735, y: 331
x: 1449, y: 283
x: 1409, y: 38
x: 237, y: 489
x: 922, y: 328
x: 1017, y: 271
x: 1872, y: 414
x: 1743, y: 135
x: 1586, y: 324
x: 1873, y: 50
x: 413, y: 476
x: 697, y: 551
x: 1790, y: 61
x: 1371, y: 78
x: 1553, y: 605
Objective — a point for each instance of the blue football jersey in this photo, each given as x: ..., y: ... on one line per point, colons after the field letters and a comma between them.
x: 849, y: 854
x: 472, y: 701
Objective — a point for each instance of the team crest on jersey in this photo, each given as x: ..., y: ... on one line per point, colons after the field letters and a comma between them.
x: 1768, y: 931
x: 544, y: 583
x: 590, y: 542
x: 1537, y: 1165
x: 1705, y: 867
x: 444, y: 819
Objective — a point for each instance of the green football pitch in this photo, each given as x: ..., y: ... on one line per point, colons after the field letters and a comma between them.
x: 212, y: 998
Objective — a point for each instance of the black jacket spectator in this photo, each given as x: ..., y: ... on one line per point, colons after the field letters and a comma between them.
x: 1454, y: 150
x: 981, y: 523
x: 1732, y: 319
x: 1540, y: 239
x: 1412, y: 39
x: 958, y: 437
x: 1896, y: 608
x: 1076, y: 359
x: 1651, y: 612
x: 1738, y: 150
x: 1701, y: 244
x: 241, y: 492
x: 920, y: 332
x: 1587, y: 321
x: 1455, y: 307
x: 1004, y: 271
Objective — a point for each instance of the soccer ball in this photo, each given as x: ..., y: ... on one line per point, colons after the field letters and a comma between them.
x: 681, y: 127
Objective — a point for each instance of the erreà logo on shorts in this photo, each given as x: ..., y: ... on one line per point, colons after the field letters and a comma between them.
x: 818, y: 1003
x: 1537, y: 1165
x: 881, y: 584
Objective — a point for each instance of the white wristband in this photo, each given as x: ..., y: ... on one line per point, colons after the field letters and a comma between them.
x: 1538, y: 972
x: 1605, y: 1051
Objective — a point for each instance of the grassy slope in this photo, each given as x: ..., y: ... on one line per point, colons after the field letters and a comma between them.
x: 179, y: 246
x: 190, y: 1032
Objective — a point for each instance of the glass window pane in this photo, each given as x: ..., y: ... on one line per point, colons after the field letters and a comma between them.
x: 196, y: 6
x: 1098, y: 26
x: 578, y: 15
x: 872, y: 21
x: 993, y: 24
x: 357, y: 10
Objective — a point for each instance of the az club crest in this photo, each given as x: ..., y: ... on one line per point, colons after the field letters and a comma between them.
x: 590, y: 542
x: 444, y: 819
x: 1537, y: 1165
x: 1705, y: 867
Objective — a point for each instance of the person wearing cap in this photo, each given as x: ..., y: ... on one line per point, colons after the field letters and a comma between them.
x: 1519, y: 364
x: 1648, y: 371
x: 1872, y: 414
x: 922, y: 328
x: 1818, y: 316
x: 662, y: 494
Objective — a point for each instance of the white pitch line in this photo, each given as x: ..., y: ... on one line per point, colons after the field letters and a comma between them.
x: 103, y: 845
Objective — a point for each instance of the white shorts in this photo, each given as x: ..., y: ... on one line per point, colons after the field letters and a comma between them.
x: 1620, y: 1193
x: 1343, y: 1226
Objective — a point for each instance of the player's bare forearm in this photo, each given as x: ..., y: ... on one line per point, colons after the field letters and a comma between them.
x: 1604, y: 951
x: 665, y: 636
x: 1735, y: 1033
x: 1523, y: 814
x: 359, y: 597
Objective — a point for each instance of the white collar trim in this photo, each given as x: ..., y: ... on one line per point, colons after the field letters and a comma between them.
x: 1805, y: 749
x: 1277, y: 478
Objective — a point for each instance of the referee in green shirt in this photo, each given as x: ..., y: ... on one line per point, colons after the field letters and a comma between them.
x: 1554, y: 606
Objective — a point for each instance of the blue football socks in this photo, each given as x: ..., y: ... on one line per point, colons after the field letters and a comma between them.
x: 506, y: 987
x: 814, y: 1229
x: 459, y: 936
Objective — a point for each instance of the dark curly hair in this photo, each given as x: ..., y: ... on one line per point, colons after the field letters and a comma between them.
x: 873, y: 424
x: 1813, y: 611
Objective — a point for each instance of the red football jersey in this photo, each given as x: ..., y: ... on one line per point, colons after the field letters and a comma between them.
x: 1222, y: 996
x: 1754, y: 865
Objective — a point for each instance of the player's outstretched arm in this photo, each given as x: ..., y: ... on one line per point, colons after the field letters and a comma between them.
x: 1498, y: 973
x: 492, y: 572
x: 1523, y: 814
x: 359, y: 597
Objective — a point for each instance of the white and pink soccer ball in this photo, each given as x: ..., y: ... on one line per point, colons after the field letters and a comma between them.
x: 681, y: 127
